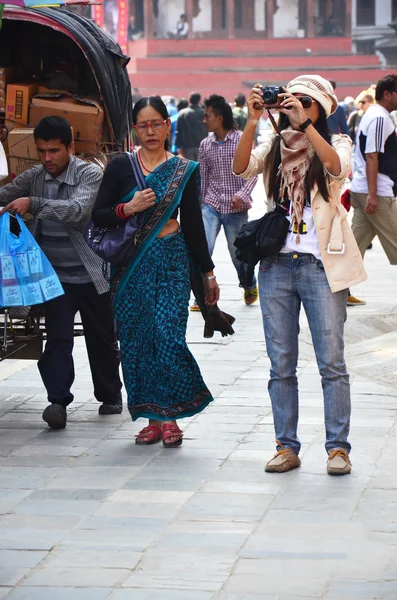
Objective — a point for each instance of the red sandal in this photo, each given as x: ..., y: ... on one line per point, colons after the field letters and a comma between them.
x: 152, y: 433
x: 170, y: 430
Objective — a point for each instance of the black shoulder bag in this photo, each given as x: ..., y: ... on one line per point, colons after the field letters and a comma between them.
x: 259, y: 239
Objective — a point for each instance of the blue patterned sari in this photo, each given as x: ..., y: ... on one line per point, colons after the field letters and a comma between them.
x: 151, y: 298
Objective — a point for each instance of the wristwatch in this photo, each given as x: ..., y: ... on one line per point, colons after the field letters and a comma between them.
x: 306, y: 124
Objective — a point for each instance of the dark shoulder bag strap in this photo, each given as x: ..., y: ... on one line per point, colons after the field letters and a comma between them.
x: 136, y: 167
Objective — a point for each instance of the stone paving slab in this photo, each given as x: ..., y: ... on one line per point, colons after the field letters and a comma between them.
x: 85, y: 512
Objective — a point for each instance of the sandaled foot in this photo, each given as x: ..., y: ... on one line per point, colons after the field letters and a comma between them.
x: 149, y: 435
x: 172, y: 435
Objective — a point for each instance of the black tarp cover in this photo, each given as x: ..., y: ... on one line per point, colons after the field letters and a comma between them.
x: 108, y: 63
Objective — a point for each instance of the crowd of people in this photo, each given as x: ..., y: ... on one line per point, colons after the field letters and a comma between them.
x: 193, y: 172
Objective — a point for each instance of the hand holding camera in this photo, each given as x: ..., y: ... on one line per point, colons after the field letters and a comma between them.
x: 255, y: 103
x: 276, y: 97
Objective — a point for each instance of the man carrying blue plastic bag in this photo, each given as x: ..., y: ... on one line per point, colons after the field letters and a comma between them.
x: 59, y: 195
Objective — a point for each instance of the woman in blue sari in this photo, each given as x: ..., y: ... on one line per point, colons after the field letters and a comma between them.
x: 151, y: 293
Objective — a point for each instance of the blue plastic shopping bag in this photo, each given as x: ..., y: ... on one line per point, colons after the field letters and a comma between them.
x: 26, y: 275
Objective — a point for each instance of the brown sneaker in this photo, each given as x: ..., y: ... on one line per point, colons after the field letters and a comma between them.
x: 284, y: 460
x: 353, y: 301
x: 338, y: 462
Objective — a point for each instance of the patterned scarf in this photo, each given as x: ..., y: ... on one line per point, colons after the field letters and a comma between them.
x: 296, y: 156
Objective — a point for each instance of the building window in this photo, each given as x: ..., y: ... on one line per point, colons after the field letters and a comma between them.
x: 394, y: 9
x: 365, y: 12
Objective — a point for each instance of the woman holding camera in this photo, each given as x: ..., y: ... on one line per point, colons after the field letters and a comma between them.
x: 304, y: 168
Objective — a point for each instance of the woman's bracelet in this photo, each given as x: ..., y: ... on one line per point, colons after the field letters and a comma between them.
x: 210, y: 277
x: 119, y: 210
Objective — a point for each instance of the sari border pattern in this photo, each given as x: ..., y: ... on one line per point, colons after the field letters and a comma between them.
x: 150, y: 227
x: 165, y: 203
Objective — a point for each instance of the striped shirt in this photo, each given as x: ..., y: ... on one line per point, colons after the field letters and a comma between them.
x: 55, y: 241
x: 72, y: 209
x: 218, y: 183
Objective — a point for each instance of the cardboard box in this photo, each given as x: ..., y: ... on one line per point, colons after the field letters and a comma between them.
x: 7, y: 75
x: 84, y: 115
x: 22, y: 151
x: 17, y: 103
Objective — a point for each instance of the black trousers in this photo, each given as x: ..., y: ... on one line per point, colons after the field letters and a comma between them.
x: 56, y: 363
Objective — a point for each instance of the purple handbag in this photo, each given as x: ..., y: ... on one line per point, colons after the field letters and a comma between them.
x: 116, y: 245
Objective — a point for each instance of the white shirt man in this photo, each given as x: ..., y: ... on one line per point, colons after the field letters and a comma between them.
x: 374, y: 184
x: 181, y: 29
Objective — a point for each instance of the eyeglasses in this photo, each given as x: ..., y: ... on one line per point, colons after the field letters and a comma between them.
x: 155, y: 125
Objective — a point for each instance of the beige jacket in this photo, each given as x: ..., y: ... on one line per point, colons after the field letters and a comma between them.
x: 339, y: 251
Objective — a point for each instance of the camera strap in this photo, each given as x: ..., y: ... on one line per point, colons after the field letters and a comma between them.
x: 275, y: 125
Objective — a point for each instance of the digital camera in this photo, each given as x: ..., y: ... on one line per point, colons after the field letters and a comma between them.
x: 270, y: 94
x: 270, y: 97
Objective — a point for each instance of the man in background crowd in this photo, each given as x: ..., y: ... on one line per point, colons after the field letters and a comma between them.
x: 337, y: 121
x: 181, y: 30
x: 363, y: 102
x: 239, y: 113
x: 226, y: 198
x: 171, y: 108
x: 374, y: 184
x: 136, y: 95
x: 190, y: 128
x: 133, y: 32
x: 183, y: 103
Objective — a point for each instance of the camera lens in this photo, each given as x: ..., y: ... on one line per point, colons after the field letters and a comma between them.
x: 269, y: 97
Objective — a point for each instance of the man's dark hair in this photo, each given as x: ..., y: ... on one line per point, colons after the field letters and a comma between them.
x: 333, y: 83
x: 221, y: 108
x: 387, y: 84
x: 183, y: 103
x: 240, y: 100
x: 54, y: 128
x: 195, y: 98
x: 183, y: 16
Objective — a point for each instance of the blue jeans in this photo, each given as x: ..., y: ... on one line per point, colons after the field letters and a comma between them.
x: 285, y: 282
x: 232, y: 223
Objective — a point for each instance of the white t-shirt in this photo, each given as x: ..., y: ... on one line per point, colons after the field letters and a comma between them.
x: 182, y: 28
x: 308, y: 236
x: 376, y: 133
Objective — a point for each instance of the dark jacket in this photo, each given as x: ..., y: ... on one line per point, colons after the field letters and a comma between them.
x: 190, y: 130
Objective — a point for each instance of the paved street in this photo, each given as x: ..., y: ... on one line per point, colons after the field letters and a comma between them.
x: 86, y: 510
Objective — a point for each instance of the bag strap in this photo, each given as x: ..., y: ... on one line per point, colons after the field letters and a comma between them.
x: 136, y: 167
